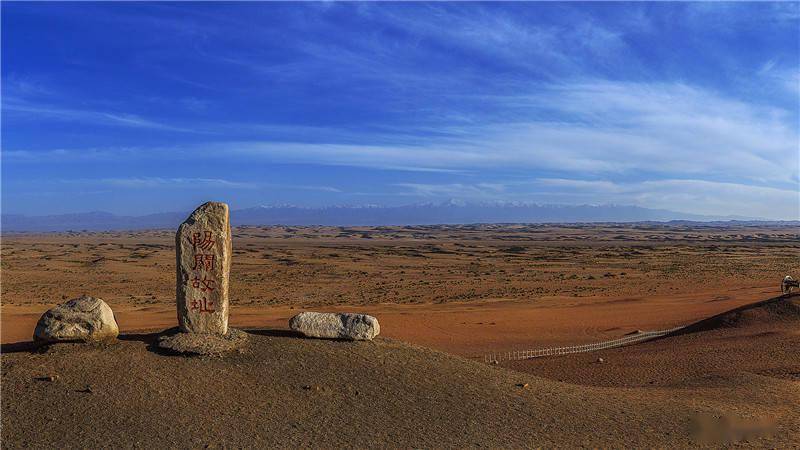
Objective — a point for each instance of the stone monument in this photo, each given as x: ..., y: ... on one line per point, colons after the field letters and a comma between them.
x: 203, y: 262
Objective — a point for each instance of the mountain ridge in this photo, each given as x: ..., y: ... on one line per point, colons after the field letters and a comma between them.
x: 445, y: 213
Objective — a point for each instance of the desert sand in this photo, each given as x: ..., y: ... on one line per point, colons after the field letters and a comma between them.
x: 448, y: 287
x: 462, y: 291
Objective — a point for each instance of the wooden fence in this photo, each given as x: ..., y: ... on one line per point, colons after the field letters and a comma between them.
x: 557, y: 351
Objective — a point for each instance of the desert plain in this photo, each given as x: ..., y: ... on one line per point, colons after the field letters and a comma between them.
x: 446, y: 296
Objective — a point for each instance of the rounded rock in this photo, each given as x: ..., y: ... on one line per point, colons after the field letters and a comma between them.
x: 356, y: 327
x: 81, y: 319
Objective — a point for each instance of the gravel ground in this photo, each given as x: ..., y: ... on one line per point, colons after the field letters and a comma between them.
x: 284, y: 391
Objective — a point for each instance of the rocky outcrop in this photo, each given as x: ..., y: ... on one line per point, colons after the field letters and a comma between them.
x: 81, y: 319
x: 336, y: 325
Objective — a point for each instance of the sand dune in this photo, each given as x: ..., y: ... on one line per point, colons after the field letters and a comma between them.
x: 775, y: 312
x: 743, y: 363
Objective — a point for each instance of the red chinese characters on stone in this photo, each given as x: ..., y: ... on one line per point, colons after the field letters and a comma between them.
x: 203, y: 256
x: 203, y: 305
x: 204, y: 284
x: 203, y: 262
x: 204, y: 243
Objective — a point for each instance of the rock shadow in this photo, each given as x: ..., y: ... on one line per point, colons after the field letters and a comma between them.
x: 150, y: 340
x: 274, y: 333
x: 147, y: 338
x: 22, y: 347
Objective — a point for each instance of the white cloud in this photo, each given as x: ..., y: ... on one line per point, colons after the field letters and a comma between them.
x: 184, y: 183
x: 596, y: 127
x: 785, y: 78
x: 682, y: 195
x: 478, y: 190
x: 157, y: 182
x: 594, y: 130
x: 37, y: 111
x: 513, y: 39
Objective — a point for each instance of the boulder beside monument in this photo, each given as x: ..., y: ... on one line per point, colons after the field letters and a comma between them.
x: 355, y: 327
x: 81, y: 319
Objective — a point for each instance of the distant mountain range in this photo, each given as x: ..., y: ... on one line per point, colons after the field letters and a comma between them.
x: 450, y: 212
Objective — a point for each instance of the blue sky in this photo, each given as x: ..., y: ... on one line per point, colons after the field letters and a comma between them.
x: 136, y: 108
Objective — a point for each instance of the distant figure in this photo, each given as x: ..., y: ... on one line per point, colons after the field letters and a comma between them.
x: 788, y: 284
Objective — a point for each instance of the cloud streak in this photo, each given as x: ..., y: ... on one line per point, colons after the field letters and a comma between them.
x: 188, y: 183
x: 594, y: 128
x: 159, y: 183
x: 33, y: 111
x: 683, y: 195
x: 645, y: 105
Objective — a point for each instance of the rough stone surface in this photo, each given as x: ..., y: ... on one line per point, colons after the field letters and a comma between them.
x: 80, y: 319
x: 336, y: 325
x: 208, y: 344
x: 203, y: 261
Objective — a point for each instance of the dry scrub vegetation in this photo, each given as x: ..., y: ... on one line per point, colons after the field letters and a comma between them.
x: 312, y: 266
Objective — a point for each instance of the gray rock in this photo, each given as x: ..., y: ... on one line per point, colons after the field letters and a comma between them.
x: 207, y: 344
x: 336, y: 325
x: 203, y: 261
x: 80, y: 319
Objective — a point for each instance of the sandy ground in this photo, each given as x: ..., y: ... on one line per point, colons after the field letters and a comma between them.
x: 462, y: 289
x: 755, y: 339
x: 286, y: 391
x: 467, y: 329
x: 466, y: 291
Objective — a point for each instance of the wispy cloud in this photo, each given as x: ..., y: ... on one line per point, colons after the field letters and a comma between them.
x: 683, y: 195
x: 37, y: 111
x: 785, y: 77
x: 592, y: 127
x: 629, y: 103
x: 16, y: 84
x: 156, y: 182
x: 462, y: 190
x: 686, y: 195
x: 28, y: 98
x: 492, y: 33
x: 302, y: 187
x: 187, y: 183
